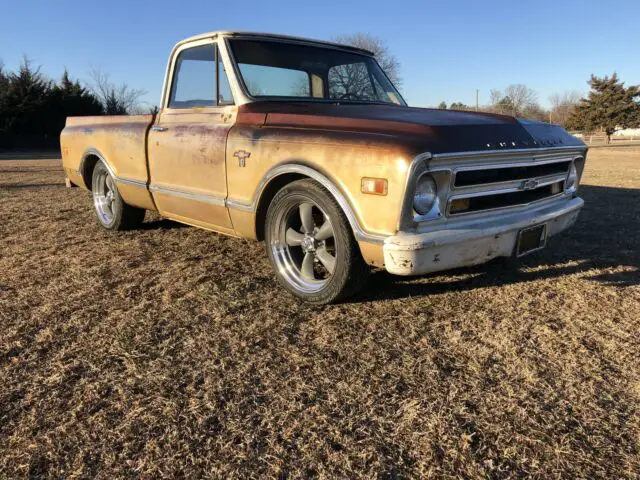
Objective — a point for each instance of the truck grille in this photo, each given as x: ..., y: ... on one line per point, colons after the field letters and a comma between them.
x: 467, y: 178
x: 491, y: 187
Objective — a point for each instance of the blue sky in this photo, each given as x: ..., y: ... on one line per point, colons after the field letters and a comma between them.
x: 447, y: 49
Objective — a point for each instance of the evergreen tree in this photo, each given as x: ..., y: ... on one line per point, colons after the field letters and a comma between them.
x: 21, y: 105
x: 69, y: 99
x: 458, y: 106
x: 33, y: 109
x: 609, y: 106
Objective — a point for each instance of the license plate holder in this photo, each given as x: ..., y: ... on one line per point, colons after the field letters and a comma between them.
x: 531, y: 239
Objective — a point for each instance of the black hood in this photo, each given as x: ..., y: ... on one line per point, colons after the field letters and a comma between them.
x: 432, y: 130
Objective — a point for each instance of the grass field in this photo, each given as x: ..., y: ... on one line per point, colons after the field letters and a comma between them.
x: 164, y: 352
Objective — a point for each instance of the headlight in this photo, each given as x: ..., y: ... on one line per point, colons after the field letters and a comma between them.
x: 571, y: 183
x: 425, y: 194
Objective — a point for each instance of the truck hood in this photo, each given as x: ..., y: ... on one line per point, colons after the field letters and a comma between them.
x: 432, y: 130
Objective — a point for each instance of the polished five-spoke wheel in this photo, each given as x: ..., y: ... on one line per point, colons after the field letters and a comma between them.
x: 112, y: 212
x: 310, y: 244
x: 306, y: 251
x: 104, y: 196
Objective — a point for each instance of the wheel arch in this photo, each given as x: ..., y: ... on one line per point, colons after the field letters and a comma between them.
x: 282, y: 175
x: 90, y: 159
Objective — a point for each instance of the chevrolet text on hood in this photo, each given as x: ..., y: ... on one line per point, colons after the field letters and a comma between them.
x: 309, y: 147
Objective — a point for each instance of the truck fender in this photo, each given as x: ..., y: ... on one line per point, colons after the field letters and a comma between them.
x: 306, y: 171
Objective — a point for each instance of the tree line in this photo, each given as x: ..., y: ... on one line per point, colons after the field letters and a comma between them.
x: 609, y: 106
x: 34, y: 108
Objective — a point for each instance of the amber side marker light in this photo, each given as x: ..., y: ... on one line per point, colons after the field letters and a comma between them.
x: 374, y: 186
x: 459, y: 205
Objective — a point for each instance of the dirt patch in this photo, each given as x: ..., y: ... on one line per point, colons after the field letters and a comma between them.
x: 165, y: 352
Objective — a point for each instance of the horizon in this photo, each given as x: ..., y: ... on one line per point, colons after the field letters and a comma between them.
x: 452, y: 74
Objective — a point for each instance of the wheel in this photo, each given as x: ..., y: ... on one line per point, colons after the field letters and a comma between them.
x: 311, y: 246
x: 112, y: 212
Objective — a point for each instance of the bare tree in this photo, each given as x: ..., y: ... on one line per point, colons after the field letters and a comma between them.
x: 515, y: 99
x: 116, y: 99
x: 562, y: 106
x: 389, y: 62
x: 495, y: 96
x: 522, y: 97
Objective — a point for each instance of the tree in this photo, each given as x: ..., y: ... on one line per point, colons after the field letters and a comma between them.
x: 389, y: 62
x: 70, y: 99
x: 21, y: 105
x: 116, y: 100
x: 562, y: 106
x: 535, y: 112
x: 4, y: 79
x: 609, y: 106
x: 459, y: 106
x: 516, y: 99
x: 442, y: 106
x: 33, y: 108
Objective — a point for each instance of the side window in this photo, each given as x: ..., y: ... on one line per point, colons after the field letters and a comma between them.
x: 194, y: 78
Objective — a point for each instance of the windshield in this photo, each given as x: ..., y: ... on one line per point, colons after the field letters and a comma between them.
x: 273, y: 69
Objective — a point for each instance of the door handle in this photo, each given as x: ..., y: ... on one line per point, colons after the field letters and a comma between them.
x: 157, y: 128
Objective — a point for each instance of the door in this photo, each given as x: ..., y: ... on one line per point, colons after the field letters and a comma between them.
x: 187, y: 142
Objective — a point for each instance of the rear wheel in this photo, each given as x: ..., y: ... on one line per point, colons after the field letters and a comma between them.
x: 311, y: 246
x: 112, y: 212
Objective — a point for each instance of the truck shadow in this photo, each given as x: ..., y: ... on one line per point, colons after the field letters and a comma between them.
x: 162, y: 224
x: 606, y: 236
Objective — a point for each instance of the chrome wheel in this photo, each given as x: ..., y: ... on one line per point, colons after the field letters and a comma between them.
x: 304, y: 249
x: 104, y: 197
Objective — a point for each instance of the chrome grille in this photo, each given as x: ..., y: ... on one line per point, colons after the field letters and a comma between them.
x: 467, y: 178
x: 481, y: 188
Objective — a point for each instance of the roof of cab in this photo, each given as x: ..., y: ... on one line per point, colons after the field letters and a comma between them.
x: 274, y: 36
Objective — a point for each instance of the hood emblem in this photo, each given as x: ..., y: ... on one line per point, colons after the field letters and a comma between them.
x: 530, y: 184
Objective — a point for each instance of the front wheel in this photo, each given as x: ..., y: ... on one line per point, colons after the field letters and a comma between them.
x: 311, y: 246
x: 112, y: 212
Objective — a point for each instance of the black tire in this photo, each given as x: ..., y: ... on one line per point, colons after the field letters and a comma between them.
x: 349, y: 271
x: 111, y: 211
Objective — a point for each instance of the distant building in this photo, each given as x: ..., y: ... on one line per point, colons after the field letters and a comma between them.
x: 628, y: 132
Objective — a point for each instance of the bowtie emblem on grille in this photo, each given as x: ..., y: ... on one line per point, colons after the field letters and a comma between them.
x: 529, y: 184
x: 242, y: 156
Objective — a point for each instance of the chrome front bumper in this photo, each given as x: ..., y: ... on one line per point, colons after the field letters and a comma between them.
x: 460, y: 246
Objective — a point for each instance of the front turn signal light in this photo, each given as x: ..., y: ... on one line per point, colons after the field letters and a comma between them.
x: 374, y: 186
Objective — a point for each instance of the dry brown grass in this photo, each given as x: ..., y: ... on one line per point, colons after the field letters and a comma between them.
x: 164, y: 352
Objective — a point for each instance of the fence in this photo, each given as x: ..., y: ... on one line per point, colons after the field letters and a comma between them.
x: 601, y: 139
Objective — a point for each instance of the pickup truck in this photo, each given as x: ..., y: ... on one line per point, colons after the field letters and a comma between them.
x: 308, y: 146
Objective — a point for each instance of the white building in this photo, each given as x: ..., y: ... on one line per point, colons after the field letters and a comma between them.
x: 628, y: 132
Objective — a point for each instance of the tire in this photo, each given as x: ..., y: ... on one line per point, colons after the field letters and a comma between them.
x: 111, y: 211
x: 311, y: 246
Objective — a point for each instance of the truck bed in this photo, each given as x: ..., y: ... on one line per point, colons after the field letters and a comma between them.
x: 120, y: 138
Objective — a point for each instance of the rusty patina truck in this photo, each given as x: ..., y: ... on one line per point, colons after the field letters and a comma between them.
x: 308, y: 146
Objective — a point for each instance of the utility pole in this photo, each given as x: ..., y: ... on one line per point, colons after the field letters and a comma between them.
x: 477, y: 102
